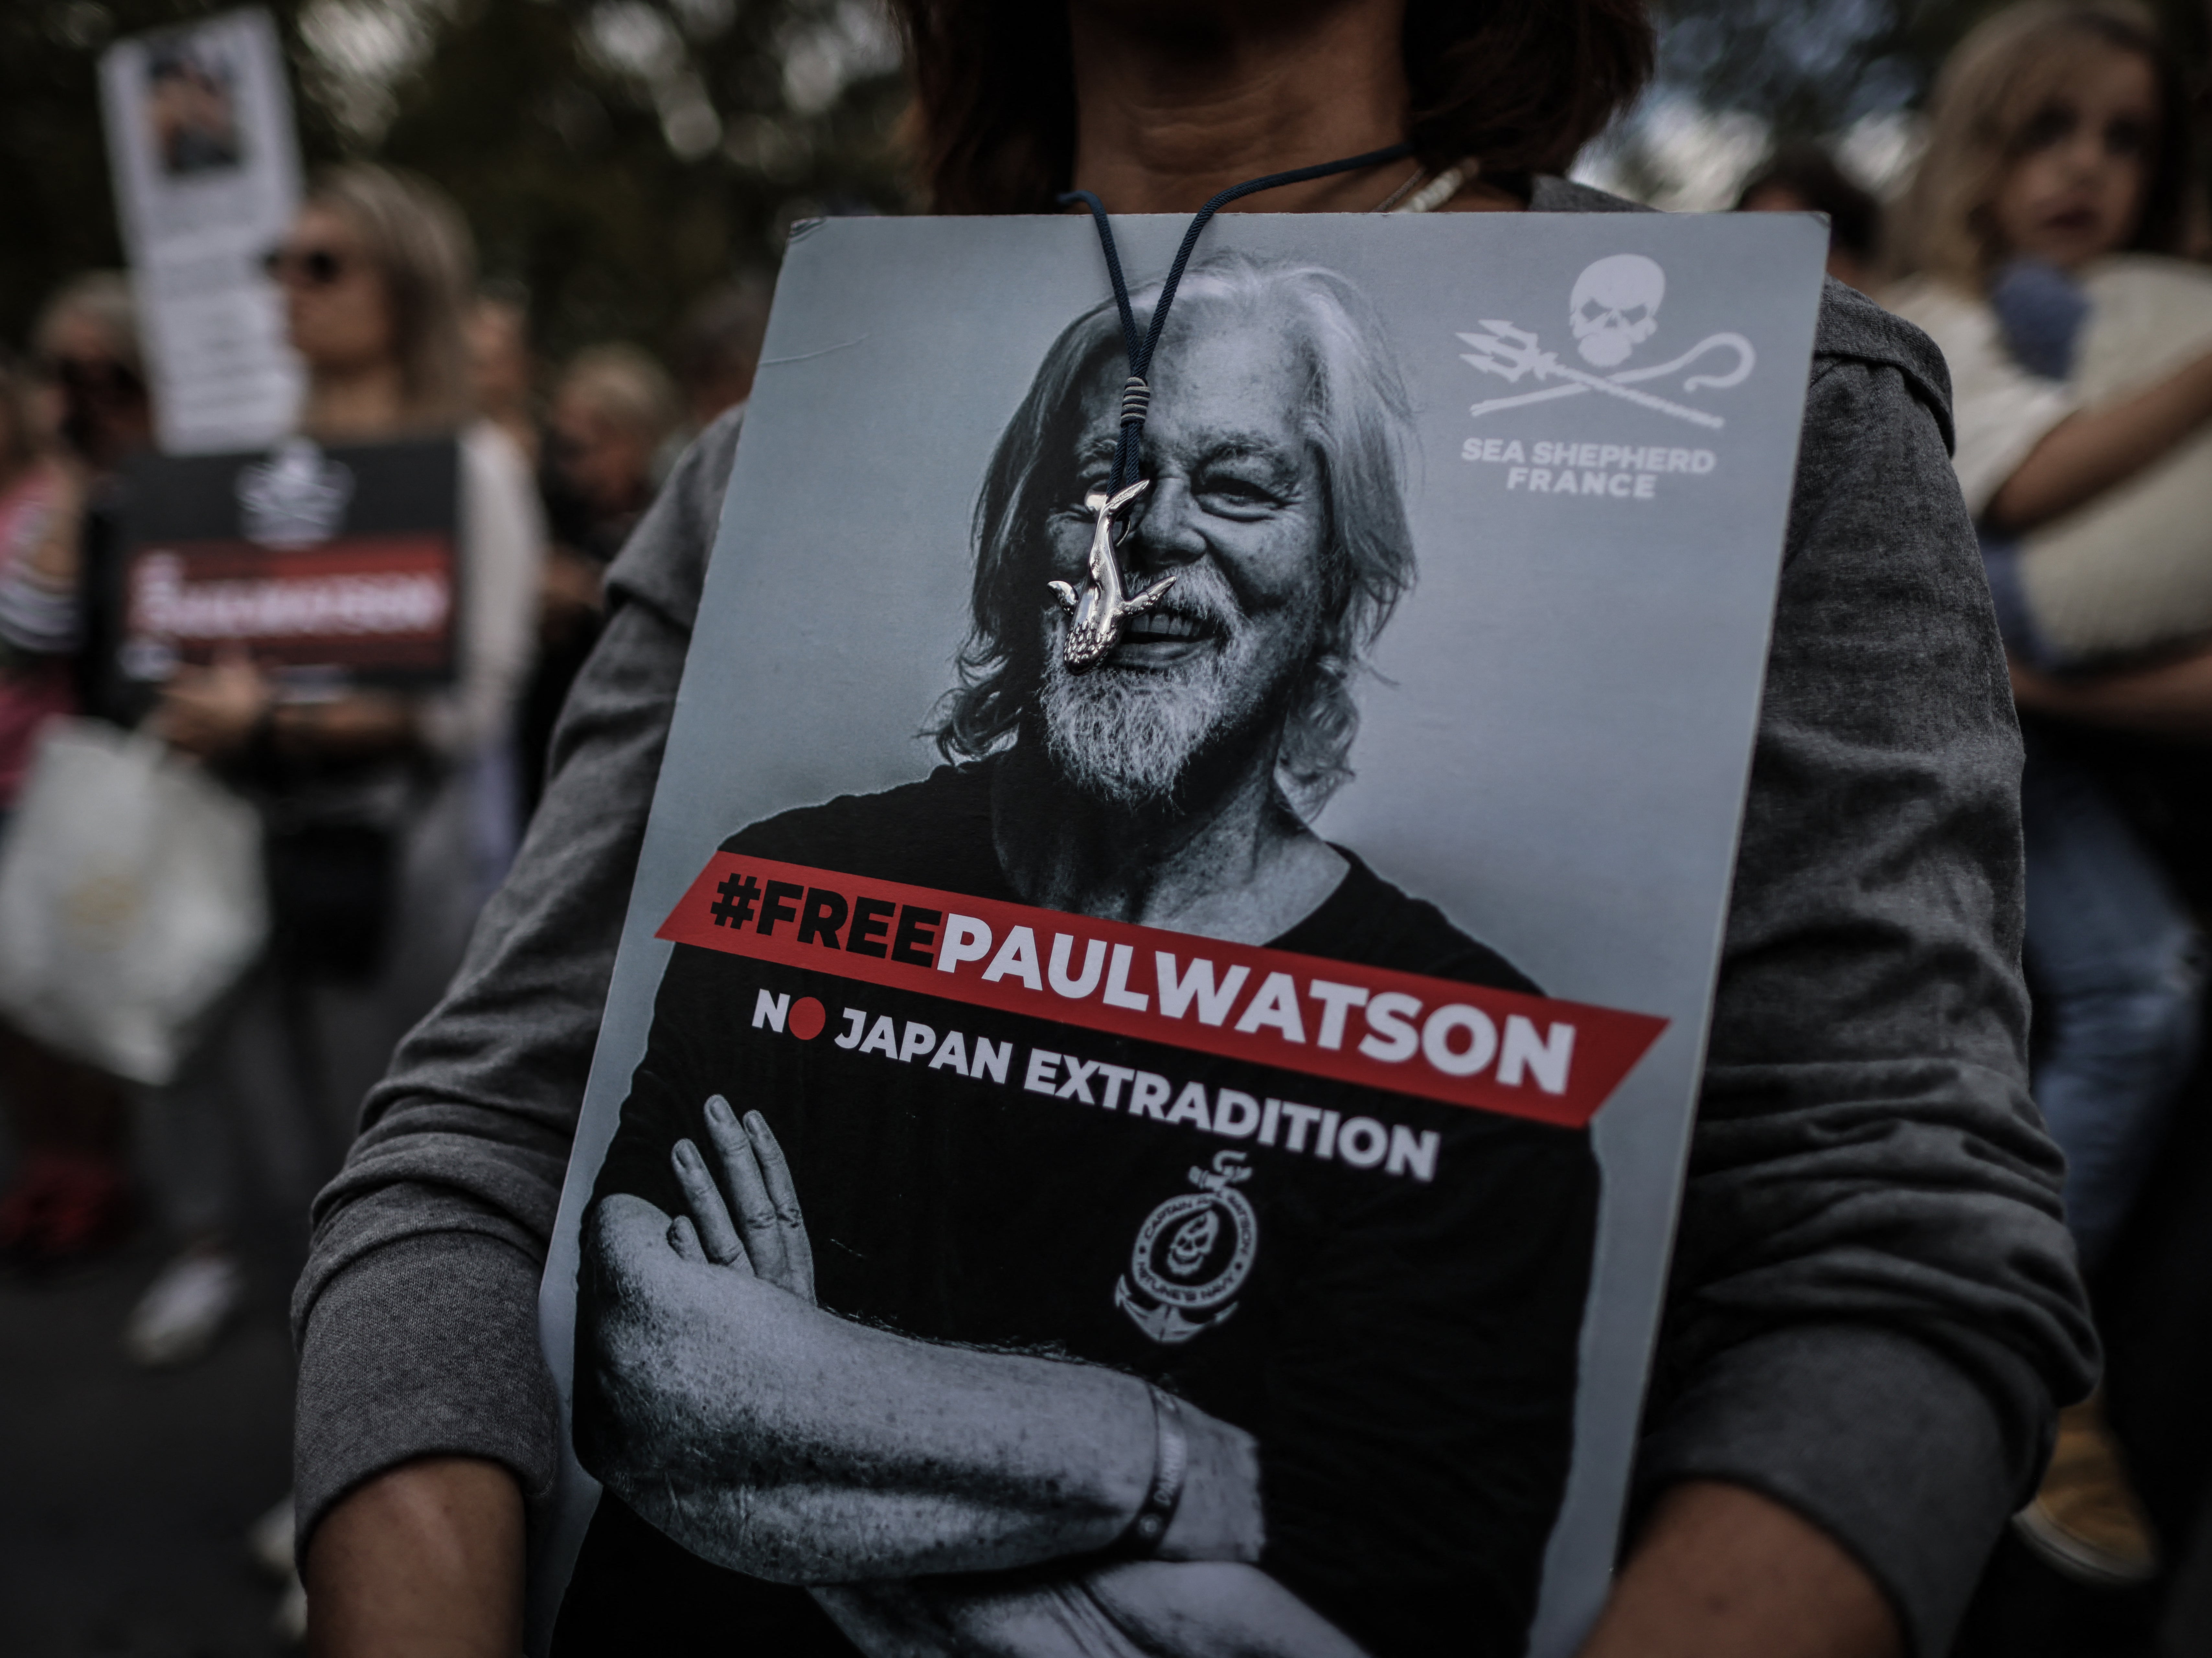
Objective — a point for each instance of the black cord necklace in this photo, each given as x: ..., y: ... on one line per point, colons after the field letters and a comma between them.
x: 1103, y: 604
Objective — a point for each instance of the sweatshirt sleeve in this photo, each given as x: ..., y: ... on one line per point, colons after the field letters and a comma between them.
x: 416, y: 1316
x: 1875, y: 1303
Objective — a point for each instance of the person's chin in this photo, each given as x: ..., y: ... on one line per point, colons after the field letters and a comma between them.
x: 2068, y: 238
x: 1122, y: 783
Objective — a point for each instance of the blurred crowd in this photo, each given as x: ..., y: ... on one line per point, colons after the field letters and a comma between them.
x: 2049, y: 242
x: 557, y: 464
x: 389, y: 816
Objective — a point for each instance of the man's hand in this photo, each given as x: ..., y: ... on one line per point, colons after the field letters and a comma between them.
x: 968, y: 1617
x: 768, y: 1435
x: 426, y: 1560
x: 1723, y: 1572
x: 769, y: 1238
x: 1136, y: 1609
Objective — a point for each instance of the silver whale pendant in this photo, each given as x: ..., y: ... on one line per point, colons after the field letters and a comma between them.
x: 1101, y: 608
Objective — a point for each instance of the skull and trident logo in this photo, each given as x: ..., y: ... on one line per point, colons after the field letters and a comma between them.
x: 1192, y: 1256
x: 1614, y: 308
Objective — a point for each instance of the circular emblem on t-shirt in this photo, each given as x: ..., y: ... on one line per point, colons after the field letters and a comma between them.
x: 1192, y: 1255
x: 807, y: 1019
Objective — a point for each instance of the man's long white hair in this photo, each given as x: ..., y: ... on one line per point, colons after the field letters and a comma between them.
x: 1356, y: 419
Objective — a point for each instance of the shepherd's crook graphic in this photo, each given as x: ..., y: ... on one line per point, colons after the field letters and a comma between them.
x: 1511, y: 352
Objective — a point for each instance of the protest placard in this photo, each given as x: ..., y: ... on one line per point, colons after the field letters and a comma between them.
x: 324, y: 566
x: 1191, y: 1001
x: 206, y: 165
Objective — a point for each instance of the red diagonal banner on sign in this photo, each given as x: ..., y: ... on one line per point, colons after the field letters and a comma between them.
x: 1526, y: 1056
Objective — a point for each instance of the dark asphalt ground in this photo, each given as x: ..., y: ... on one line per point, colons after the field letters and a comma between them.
x: 125, y: 1494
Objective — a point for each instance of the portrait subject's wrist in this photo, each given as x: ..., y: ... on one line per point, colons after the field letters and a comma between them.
x: 1218, y: 1517
x: 1140, y: 1540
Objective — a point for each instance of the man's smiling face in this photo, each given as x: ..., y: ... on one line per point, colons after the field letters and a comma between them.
x: 1238, y: 513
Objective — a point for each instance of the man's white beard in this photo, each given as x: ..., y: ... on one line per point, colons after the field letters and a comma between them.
x: 1128, y: 736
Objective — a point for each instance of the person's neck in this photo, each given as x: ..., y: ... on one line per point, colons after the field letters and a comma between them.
x: 368, y: 401
x: 1174, y: 106
x: 1235, y: 865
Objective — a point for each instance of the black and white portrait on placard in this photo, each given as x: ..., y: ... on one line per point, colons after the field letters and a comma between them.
x: 882, y: 1345
x: 191, y: 108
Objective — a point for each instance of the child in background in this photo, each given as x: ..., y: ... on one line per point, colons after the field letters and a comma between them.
x: 2058, y: 136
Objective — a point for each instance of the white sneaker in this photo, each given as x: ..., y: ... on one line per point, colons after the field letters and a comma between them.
x: 184, y: 1310
x: 268, y: 1540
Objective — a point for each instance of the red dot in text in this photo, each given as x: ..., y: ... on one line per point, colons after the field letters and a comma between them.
x: 807, y: 1019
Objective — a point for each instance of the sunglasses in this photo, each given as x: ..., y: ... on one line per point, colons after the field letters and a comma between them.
x: 98, y: 377
x: 310, y: 267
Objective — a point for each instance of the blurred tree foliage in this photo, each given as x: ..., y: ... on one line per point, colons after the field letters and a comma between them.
x: 59, y: 216
x: 620, y: 159
x: 616, y: 157
x: 1811, y: 68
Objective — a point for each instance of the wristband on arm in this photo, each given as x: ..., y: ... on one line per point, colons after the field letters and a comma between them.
x: 1170, y: 1461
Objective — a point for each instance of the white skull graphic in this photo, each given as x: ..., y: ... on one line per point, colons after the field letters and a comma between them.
x: 1615, y: 307
x: 1192, y: 1242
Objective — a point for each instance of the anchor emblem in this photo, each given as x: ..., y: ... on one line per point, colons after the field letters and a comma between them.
x: 1101, y: 608
x: 1174, y: 1297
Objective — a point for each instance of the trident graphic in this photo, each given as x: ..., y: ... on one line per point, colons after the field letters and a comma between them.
x: 1511, y: 352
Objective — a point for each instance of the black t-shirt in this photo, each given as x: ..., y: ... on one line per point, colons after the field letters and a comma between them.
x: 1403, y: 1349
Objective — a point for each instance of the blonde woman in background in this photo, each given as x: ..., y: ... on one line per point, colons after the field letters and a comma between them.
x: 391, y: 815
x: 2058, y: 138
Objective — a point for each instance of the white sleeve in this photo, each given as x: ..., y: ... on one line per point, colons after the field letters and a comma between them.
x: 503, y: 551
x: 2001, y: 411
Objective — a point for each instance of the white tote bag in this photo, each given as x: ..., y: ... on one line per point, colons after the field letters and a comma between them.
x: 131, y: 899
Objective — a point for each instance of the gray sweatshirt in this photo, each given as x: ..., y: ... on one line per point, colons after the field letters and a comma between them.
x: 1874, y: 1303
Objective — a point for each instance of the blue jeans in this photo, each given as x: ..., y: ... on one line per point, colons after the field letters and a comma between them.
x: 2117, y: 966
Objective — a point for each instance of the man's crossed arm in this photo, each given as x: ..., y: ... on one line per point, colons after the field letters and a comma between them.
x: 427, y: 1559
x: 769, y: 1437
